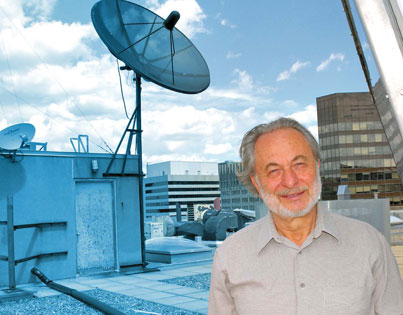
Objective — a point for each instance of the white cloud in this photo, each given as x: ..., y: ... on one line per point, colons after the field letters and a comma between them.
x: 217, y: 149
x: 49, y: 42
x: 12, y: 13
x: 244, y: 79
x: 251, y: 90
x: 306, y: 116
x: 225, y: 22
x: 186, y: 120
x: 232, y: 55
x: 325, y: 63
x: 269, y: 116
x: 40, y: 9
x: 314, y: 131
x: 184, y: 130
x: 191, y: 15
x: 290, y: 103
x: 286, y: 74
x: 174, y: 145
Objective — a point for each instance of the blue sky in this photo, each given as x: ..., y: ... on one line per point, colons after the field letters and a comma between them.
x: 266, y: 59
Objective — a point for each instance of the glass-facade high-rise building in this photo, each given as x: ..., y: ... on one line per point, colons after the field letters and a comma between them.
x: 355, y: 150
x: 234, y: 194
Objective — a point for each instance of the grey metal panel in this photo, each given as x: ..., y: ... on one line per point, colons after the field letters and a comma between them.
x: 385, y: 38
x: 95, y: 223
x: 390, y: 124
x: 128, y: 222
x: 373, y: 211
x: 45, y: 197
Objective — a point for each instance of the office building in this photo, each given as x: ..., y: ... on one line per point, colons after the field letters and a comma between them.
x: 185, y: 183
x: 355, y: 150
x: 234, y: 195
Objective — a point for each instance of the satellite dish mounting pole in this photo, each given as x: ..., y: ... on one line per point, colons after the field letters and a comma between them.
x: 139, y: 150
x: 10, y: 240
x: 134, y: 127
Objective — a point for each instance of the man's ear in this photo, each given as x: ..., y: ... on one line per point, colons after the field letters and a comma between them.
x: 252, y: 178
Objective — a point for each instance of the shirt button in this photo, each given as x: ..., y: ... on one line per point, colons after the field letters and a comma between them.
x: 302, y: 285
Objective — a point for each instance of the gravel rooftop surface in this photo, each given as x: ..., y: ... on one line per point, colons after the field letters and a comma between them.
x: 66, y: 305
x: 201, y: 281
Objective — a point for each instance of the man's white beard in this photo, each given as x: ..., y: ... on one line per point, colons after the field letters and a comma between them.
x: 273, y: 203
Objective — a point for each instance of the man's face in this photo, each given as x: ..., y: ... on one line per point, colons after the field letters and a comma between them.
x: 286, y: 173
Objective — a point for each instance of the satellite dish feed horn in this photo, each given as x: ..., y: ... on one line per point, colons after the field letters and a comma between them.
x: 171, y: 20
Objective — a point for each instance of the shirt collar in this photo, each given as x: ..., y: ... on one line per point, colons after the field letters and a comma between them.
x: 325, y: 223
x: 268, y: 231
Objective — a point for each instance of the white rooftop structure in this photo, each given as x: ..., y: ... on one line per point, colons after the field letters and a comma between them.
x: 177, y: 182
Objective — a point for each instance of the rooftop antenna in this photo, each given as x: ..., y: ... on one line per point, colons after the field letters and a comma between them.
x: 153, y: 48
x: 80, y: 145
x: 15, y: 137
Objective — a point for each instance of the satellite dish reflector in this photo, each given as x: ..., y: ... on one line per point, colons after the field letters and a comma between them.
x: 151, y: 46
x: 16, y: 136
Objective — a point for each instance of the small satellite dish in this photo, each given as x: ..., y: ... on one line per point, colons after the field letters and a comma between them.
x: 16, y: 136
x: 151, y: 46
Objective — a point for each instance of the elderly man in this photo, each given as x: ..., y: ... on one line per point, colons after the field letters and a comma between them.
x: 299, y: 259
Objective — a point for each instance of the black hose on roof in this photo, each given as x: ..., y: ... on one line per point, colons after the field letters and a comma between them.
x: 85, y: 298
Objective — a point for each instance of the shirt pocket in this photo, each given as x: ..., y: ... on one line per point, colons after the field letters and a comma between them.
x: 348, y: 299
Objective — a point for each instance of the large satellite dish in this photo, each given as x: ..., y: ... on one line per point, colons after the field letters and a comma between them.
x: 155, y: 50
x: 16, y: 136
x: 151, y: 46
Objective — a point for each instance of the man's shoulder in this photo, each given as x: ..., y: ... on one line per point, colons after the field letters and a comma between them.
x: 354, y: 228
x: 340, y: 219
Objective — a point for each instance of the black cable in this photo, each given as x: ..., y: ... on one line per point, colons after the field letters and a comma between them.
x: 121, y: 89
